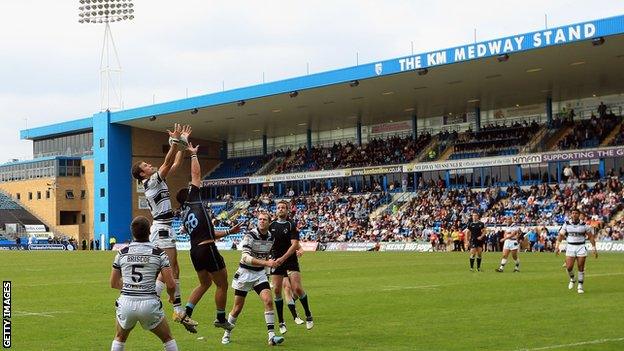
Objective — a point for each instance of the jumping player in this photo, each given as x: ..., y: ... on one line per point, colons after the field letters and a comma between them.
x: 157, y: 194
x: 135, y: 269
x: 205, y: 256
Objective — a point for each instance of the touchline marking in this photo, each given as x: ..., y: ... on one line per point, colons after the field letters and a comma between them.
x: 603, y: 274
x: 392, y: 287
x: 597, y: 341
x: 38, y: 314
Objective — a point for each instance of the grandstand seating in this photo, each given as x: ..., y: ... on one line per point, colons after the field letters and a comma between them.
x: 393, y: 150
x: 12, y: 212
x: 589, y: 133
x: 238, y: 167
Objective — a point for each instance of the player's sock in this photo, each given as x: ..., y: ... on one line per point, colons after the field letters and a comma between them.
x: 279, y: 307
x: 269, y: 318
x: 291, y: 307
x: 518, y: 264
x: 221, y: 316
x: 304, y: 302
x: 581, y: 277
x: 189, y: 309
x: 503, y: 263
x: 571, y: 274
x: 231, y: 319
x: 472, y: 261
x: 118, y: 346
x: 177, y: 302
x: 478, y: 262
x: 160, y: 286
x: 171, y: 345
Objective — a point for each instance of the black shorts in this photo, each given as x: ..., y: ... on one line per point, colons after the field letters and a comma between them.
x: 289, y: 265
x: 476, y: 244
x: 207, y: 257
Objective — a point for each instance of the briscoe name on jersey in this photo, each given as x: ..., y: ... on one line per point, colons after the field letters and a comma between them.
x: 140, y: 264
x: 257, y: 246
x: 157, y: 194
x: 575, y: 232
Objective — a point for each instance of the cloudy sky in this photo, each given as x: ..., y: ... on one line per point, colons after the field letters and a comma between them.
x: 49, y: 63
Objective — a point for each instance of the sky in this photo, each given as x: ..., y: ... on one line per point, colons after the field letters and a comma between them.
x: 49, y: 63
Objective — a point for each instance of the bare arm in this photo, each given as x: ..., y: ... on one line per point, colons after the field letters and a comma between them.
x: 170, y: 157
x: 195, y: 167
x: 560, y: 238
x: 221, y: 233
x: 167, y: 275
x: 294, y: 246
x: 115, y: 279
x: 177, y: 162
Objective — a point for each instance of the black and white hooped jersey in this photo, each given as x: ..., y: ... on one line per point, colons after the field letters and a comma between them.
x: 575, y: 232
x: 257, y: 246
x: 139, y: 264
x: 157, y: 194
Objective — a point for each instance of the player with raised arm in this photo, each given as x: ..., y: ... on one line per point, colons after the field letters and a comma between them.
x: 510, y: 239
x: 475, y: 237
x: 575, y: 232
x: 157, y: 194
x: 287, y: 265
x: 135, y: 270
x: 205, y: 256
x: 256, y: 245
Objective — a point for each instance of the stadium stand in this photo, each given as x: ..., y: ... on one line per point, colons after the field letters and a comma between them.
x: 393, y: 150
x: 238, y: 167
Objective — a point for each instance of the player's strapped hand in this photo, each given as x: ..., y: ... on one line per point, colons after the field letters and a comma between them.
x: 192, y: 149
x: 186, y: 132
x: 177, y: 131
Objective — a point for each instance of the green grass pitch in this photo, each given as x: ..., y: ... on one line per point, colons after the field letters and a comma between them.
x: 360, y: 301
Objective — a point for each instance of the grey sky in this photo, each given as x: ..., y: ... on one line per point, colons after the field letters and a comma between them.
x: 49, y: 62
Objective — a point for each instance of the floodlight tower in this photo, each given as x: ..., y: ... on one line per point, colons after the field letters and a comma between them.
x: 106, y: 12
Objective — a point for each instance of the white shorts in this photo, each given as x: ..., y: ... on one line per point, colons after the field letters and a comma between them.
x: 162, y: 236
x: 576, y: 250
x: 246, y: 279
x: 510, y: 244
x: 132, y: 309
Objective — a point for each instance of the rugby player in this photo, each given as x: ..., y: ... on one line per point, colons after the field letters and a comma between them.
x: 575, y: 232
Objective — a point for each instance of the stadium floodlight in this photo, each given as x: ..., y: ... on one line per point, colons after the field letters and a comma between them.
x: 107, y: 12
x: 502, y: 58
x: 293, y: 94
x: 354, y: 83
x: 422, y: 71
x: 598, y: 41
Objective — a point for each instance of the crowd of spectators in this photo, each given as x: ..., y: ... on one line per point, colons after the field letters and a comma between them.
x: 438, y: 215
x: 494, y: 138
x: 393, y: 150
x: 589, y: 133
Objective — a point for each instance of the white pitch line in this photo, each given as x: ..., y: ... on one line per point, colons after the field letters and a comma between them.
x: 603, y: 274
x: 392, y: 287
x: 591, y: 342
x: 38, y: 314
